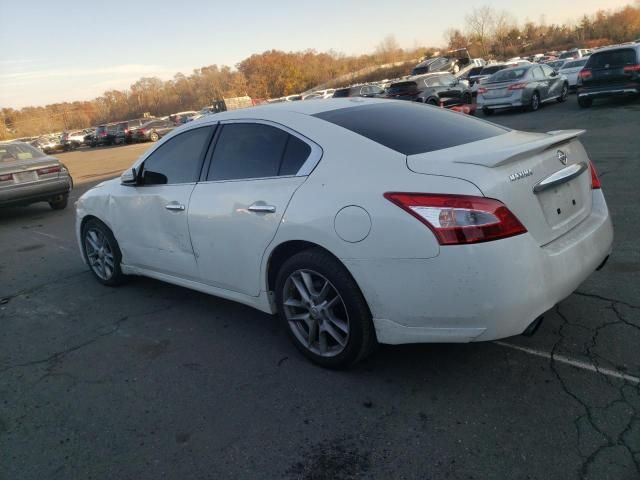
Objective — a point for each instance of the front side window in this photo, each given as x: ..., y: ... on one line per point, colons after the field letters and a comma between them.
x: 255, y: 150
x: 178, y: 160
x: 548, y: 71
x: 537, y: 73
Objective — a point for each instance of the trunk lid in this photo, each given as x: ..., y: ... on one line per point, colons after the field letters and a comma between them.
x: 526, y: 173
x: 497, y: 90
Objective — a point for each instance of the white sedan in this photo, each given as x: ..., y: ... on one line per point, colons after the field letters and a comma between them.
x: 571, y: 69
x: 358, y: 221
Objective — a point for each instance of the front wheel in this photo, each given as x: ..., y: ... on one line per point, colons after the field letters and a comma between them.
x: 467, y: 99
x: 564, y: 93
x: 154, y: 137
x: 487, y: 111
x: 323, y: 310
x: 102, y: 252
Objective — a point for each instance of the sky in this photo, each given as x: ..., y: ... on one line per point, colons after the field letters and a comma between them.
x: 62, y: 50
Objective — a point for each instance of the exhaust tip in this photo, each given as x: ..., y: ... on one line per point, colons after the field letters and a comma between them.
x: 533, y: 327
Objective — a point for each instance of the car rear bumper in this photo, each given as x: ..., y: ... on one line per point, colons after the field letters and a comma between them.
x: 41, y: 191
x: 514, y: 100
x: 481, y: 292
x: 609, y: 91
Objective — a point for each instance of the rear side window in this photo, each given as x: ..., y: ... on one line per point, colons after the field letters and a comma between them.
x: 178, y: 160
x: 255, y: 150
x: 410, y: 127
x: 613, y: 58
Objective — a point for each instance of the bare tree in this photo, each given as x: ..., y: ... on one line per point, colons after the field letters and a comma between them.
x: 479, y: 25
x: 389, y: 49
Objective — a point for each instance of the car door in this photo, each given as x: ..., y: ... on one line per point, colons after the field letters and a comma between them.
x: 235, y: 211
x: 541, y: 83
x: 554, y: 81
x: 150, y: 218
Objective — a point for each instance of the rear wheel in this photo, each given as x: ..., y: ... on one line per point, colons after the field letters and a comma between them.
x: 467, y: 99
x: 154, y: 137
x: 487, y: 111
x: 534, y: 104
x: 432, y: 101
x: 102, y: 252
x: 323, y: 310
x: 60, y: 202
x: 564, y: 93
x: 585, y: 102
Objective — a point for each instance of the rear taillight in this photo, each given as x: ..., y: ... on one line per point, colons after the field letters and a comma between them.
x: 46, y: 170
x: 517, y: 86
x: 585, y: 74
x: 482, y: 90
x: 460, y: 219
x: 632, y: 68
x: 595, y: 181
x: 5, y: 178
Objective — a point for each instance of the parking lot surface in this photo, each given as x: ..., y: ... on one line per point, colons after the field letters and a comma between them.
x: 150, y: 380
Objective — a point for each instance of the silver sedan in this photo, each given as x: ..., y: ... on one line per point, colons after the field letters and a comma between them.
x: 525, y: 87
x: 28, y: 176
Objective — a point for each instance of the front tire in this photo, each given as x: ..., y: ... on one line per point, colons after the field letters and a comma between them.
x: 467, y: 99
x: 102, y: 253
x: 323, y: 310
x: 487, y: 111
x: 564, y: 93
x: 154, y: 137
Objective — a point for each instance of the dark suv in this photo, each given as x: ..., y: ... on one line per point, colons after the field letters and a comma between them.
x: 434, y: 89
x: 610, y: 72
x: 153, y: 130
x: 124, y: 130
x: 104, y: 135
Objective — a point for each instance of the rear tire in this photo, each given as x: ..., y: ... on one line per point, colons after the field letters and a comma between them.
x: 487, y: 111
x: 60, y: 202
x: 467, y: 99
x: 431, y: 101
x: 534, y: 104
x: 330, y: 324
x: 102, y: 253
x: 585, y: 102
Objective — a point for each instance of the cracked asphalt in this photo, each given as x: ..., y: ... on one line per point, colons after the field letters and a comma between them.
x: 154, y: 381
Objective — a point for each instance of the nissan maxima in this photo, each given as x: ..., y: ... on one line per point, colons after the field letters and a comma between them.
x: 358, y: 221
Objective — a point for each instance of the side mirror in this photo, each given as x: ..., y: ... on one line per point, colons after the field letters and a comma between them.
x: 554, y: 73
x: 129, y: 177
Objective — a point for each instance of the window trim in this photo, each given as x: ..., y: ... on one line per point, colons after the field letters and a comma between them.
x: 305, y: 170
x: 203, y: 155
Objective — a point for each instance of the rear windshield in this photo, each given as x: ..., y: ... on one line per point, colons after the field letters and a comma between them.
x: 10, y: 152
x: 614, y: 58
x: 574, y: 64
x: 343, y: 92
x: 509, y: 75
x: 402, y: 87
x: 420, y: 70
x: 568, y: 55
x: 410, y: 127
x: 492, y: 69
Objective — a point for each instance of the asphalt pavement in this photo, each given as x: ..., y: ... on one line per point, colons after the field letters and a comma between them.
x: 150, y: 381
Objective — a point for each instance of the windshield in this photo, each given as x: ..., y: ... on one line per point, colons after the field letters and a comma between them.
x: 509, y: 75
x: 492, y: 69
x: 10, y: 152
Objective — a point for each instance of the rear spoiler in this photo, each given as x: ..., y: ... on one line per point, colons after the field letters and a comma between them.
x: 552, y: 139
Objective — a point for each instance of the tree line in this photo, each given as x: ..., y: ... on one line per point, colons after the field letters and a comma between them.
x: 487, y: 33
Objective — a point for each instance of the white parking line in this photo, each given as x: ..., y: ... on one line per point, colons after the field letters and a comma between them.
x: 574, y: 363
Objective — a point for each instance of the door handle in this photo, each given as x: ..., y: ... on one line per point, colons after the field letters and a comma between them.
x: 261, y: 208
x: 174, y: 207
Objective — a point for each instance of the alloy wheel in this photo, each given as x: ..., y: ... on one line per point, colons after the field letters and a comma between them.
x: 316, y: 313
x: 99, y: 253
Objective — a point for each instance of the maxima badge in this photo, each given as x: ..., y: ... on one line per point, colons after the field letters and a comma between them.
x: 518, y: 175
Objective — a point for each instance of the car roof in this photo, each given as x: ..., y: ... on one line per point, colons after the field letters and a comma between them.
x: 267, y: 111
